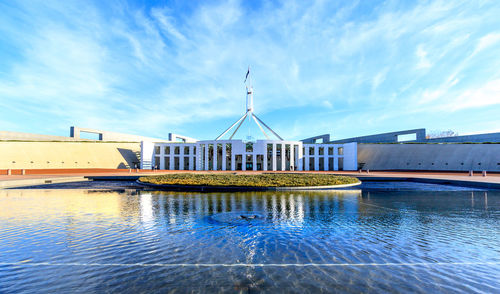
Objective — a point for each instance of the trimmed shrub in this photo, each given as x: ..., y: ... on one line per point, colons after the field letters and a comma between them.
x: 245, y: 180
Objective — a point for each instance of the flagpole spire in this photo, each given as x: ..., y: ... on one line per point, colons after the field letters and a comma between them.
x: 249, y: 87
x: 249, y: 114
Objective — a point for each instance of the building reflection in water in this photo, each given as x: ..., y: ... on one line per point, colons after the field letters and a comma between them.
x: 280, y: 207
x: 171, y: 208
x: 43, y: 205
x: 147, y: 214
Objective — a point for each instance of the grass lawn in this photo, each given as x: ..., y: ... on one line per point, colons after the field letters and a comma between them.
x: 245, y: 180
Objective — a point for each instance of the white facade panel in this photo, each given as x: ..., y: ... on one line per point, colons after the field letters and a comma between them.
x: 147, y: 152
x: 282, y: 155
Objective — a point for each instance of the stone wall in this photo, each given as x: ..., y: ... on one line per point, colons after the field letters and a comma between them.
x: 440, y: 157
x: 49, y: 155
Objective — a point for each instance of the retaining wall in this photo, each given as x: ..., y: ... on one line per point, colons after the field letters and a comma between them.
x: 443, y: 157
x: 68, y: 155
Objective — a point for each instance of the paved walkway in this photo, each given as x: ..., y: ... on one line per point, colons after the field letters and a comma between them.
x: 491, y: 180
x: 462, y: 179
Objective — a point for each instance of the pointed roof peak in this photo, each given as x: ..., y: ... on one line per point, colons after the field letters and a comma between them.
x: 249, y: 113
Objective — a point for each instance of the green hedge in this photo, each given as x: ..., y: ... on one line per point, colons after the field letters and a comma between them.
x: 246, y: 180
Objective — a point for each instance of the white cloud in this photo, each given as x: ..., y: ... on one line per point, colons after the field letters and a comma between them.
x: 487, y: 95
x: 165, y: 22
x: 423, y: 61
x: 379, y: 78
x: 166, y: 67
x: 327, y: 104
x: 487, y: 41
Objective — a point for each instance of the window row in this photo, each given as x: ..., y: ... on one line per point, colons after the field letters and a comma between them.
x: 321, y: 150
x: 175, y: 149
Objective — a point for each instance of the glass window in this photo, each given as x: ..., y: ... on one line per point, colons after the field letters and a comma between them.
x: 166, y: 161
x: 321, y: 151
x: 249, y: 147
x: 167, y: 150
x: 341, y: 150
x: 157, y: 149
x: 177, y: 150
x: 186, y: 150
x: 311, y: 150
x: 176, y: 163
x: 330, y: 150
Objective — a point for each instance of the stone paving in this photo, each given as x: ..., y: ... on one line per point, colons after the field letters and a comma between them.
x: 41, y: 176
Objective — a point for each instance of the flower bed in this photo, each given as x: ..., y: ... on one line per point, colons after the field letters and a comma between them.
x: 249, y: 181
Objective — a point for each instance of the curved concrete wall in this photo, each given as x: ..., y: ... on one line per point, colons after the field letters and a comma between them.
x: 18, y: 136
x: 74, y: 132
x: 47, y: 155
x: 445, y: 157
x: 490, y: 137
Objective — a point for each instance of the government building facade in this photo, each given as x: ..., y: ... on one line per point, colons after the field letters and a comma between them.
x: 261, y: 155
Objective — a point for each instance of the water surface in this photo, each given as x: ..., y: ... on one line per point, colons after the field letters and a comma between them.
x: 81, y: 241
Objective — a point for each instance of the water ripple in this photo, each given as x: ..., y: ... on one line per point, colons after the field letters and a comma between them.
x: 301, y: 242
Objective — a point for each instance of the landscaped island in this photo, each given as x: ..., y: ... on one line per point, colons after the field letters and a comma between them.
x: 271, y: 181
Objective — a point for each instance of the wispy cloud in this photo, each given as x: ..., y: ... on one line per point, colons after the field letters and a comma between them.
x: 423, y: 61
x: 360, y: 67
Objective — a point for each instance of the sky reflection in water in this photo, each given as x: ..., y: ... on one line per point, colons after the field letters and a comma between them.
x: 351, y: 241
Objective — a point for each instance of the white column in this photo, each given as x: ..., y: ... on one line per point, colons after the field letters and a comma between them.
x: 254, y: 159
x: 274, y: 156
x: 206, y: 157
x: 244, y: 161
x: 162, y: 155
x: 197, y: 162
x: 171, y: 159
x: 327, y: 159
x: 336, y: 157
x: 181, y: 158
x: 283, y: 157
x: 224, y: 145
x: 264, y: 161
x: 316, y: 157
x: 307, y: 159
x: 192, y: 164
x: 292, y: 156
x: 233, y: 160
x: 299, y: 158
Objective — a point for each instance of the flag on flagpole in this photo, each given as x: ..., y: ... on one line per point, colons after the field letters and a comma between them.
x: 246, y: 77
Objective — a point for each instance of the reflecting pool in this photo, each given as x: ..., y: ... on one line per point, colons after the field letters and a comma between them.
x: 82, y: 241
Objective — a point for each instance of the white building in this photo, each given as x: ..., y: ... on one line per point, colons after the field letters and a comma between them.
x: 257, y: 155
x: 262, y: 155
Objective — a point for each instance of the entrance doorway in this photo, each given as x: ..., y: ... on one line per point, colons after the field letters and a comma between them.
x: 249, y: 162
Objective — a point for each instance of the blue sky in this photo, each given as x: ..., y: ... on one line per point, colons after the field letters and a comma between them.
x: 347, y: 68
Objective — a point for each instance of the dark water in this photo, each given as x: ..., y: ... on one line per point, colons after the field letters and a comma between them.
x: 365, y: 186
x: 76, y: 241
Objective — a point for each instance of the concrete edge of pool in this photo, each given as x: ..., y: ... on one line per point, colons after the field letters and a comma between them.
x: 492, y: 181
x: 241, y: 188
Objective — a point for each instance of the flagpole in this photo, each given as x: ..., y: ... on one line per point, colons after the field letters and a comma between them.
x: 249, y: 114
